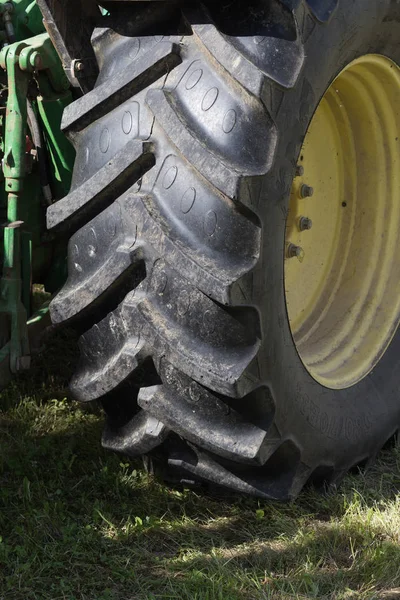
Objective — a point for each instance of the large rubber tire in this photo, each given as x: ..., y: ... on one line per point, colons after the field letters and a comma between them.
x: 186, y: 152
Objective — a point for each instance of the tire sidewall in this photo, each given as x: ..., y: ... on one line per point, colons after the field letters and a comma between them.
x: 340, y: 427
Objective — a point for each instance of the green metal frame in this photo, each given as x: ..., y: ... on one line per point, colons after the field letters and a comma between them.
x: 31, y: 60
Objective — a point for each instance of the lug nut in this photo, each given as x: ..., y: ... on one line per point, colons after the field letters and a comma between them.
x: 299, y: 171
x: 77, y: 66
x: 295, y: 251
x: 306, y: 191
x: 305, y: 223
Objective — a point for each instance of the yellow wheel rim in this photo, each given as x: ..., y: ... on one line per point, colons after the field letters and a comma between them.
x: 342, y: 267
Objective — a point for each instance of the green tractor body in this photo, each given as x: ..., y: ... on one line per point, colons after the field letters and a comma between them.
x: 37, y: 167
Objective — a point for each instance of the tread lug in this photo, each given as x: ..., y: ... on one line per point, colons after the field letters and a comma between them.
x: 140, y: 435
x: 109, y: 95
x: 200, y: 417
x: 99, y: 191
x: 108, y: 357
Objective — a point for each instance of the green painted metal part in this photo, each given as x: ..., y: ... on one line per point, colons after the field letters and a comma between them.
x: 60, y: 150
x: 33, y: 71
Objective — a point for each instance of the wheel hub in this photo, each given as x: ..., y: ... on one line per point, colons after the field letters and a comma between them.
x: 342, y: 267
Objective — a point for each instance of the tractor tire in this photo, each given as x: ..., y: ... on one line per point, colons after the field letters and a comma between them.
x: 186, y: 154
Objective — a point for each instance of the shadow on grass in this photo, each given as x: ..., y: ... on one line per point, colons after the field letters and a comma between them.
x: 53, y: 365
x: 79, y: 523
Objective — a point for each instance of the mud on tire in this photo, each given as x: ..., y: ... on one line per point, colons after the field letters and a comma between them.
x: 186, y: 151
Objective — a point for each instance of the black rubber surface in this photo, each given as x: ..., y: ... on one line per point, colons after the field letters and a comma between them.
x: 186, y: 151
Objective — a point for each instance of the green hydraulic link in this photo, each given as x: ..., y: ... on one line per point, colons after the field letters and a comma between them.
x: 10, y: 300
x: 55, y: 95
x: 62, y: 153
x: 21, y: 60
x: 42, y: 56
x: 14, y: 169
x: 26, y: 269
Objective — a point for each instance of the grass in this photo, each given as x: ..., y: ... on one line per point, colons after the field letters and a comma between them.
x: 77, y: 523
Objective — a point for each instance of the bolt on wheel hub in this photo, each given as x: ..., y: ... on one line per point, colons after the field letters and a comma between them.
x: 342, y: 267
